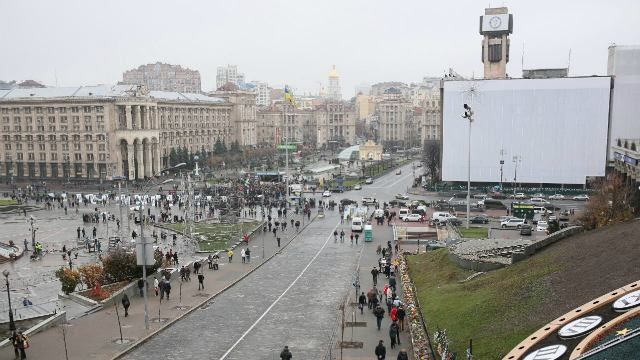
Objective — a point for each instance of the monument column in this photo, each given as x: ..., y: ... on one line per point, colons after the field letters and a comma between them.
x: 138, y: 118
x: 139, y: 158
x: 156, y: 158
x: 147, y: 159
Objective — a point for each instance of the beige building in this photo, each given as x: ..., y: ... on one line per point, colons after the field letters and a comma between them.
x: 336, y: 124
x: 164, y: 77
x: 243, y: 113
x: 271, y: 129
x: 394, y: 118
x: 102, y: 132
x: 371, y: 151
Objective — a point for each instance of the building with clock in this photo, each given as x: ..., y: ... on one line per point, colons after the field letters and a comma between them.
x: 495, y: 26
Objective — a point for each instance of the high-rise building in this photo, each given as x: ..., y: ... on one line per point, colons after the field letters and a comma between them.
x: 495, y: 26
x: 263, y: 94
x: 228, y: 74
x: 334, y: 92
x: 164, y: 77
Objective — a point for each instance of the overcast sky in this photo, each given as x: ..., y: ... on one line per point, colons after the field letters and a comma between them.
x: 89, y: 42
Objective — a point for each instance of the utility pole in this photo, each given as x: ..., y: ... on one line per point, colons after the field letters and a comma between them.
x: 468, y: 114
x: 502, y: 152
x: 516, y: 160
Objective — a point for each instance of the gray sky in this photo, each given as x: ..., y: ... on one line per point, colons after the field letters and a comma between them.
x: 296, y: 41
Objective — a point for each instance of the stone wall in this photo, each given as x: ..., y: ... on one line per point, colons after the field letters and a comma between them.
x: 550, y: 239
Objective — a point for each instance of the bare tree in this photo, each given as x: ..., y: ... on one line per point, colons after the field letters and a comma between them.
x: 612, y: 203
x: 431, y: 159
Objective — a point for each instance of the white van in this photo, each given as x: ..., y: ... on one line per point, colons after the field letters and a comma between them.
x: 441, y: 216
x: 539, y: 210
x: 357, y: 224
x: 403, y: 212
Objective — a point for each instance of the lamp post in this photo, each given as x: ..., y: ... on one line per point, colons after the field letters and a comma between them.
x: 516, y: 159
x: 32, y: 222
x: 12, y: 325
x: 468, y: 114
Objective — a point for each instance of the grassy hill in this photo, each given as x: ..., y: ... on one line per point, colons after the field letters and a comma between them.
x: 499, y: 309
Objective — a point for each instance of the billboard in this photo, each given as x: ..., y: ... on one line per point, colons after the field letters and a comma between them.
x: 554, y: 130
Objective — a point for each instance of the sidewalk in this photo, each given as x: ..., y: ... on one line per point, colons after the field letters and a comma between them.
x: 95, y: 336
x: 369, y: 334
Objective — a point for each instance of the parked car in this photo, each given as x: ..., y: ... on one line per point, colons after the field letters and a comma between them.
x: 538, y: 195
x: 402, y: 197
x: 542, y: 226
x: 399, y: 172
x: 479, y: 220
x: 412, y: 217
x: 582, y: 197
x: 403, y: 212
x: 512, y: 223
x: 441, y: 216
x: 397, y: 203
x: 525, y: 229
x: 556, y: 197
x: 357, y: 187
x: 519, y: 196
x: 345, y: 202
x: 368, y: 181
x: 454, y: 221
x: 538, y: 201
x: 326, y: 193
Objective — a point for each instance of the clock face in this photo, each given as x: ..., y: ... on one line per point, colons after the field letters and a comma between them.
x: 495, y: 22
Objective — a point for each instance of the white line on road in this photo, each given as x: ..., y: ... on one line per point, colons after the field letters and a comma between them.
x: 224, y: 356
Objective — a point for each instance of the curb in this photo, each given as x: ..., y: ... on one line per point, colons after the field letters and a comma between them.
x: 233, y: 283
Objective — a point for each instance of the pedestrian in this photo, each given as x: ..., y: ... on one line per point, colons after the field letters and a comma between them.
x: 175, y: 258
x: 278, y: 239
x: 230, y: 255
x: 141, y: 286
x: 200, y: 281
x: 393, y: 334
x: 156, y: 285
x: 20, y: 343
x: 215, y: 261
x: 125, y: 304
x: 381, y: 351
x: 379, y: 313
x: 275, y: 229
x: 247, y: 253
x: 26, y: 245
x: 402, y: 355
x: 401, y: 313
x: 394, y: 329
x: 167, y: 288
x: 286, y: 354
x: 362, y: 301
x: 243, y: 255
x: 78, y: 231
x: 374, y: 275
x: 183, y: 273
x: 351, y: 236
x: 357, y: 236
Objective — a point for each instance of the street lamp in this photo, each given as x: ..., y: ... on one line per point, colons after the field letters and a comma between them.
x: 33, y: 229
x: 12, y: 325
x: 468, y: 114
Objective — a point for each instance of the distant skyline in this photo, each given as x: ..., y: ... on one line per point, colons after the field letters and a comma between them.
x: 86, y: 42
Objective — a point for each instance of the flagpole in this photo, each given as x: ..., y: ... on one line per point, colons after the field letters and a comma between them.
x: 286, y: 152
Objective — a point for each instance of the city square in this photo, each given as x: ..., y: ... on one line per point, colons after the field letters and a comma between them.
x: 362, y: 187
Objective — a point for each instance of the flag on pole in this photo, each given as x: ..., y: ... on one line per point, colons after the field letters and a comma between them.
x: 288, y: 95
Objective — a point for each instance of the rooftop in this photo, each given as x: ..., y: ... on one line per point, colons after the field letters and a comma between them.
x: 101, y: 92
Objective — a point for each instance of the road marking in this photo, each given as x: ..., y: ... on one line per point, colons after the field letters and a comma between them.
x: 224, y: 356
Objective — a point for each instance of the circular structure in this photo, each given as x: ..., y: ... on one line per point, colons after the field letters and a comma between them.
x: 627, y: 302
x: 580, y: 327
x: 552, y: 352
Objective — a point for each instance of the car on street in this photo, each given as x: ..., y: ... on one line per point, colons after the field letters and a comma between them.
x: 538, y: 195
x: 582, y: 197
x: 556, y: 197
x: 525, y: 229
x: 357, y: 187
x: 441, y: 216
x: 368, y: 200
x: 399, y: 172
x: 402, y: 197
x: 519, y: 196
x: 368, y: 181
x: 326, y: 193
x: 538, y: 201
x: 345, y: 202
x: 542, y: 226
x: 412, y: 218
x: 403, y: 212
x: 512, y: 223
x: 454, y: 221
x: 397, y: 203
x: 479, y: 220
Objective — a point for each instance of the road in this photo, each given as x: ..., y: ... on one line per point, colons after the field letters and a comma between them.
x: 292, y: 300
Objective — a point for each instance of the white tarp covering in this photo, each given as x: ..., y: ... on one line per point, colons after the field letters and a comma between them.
x: 557, y: 127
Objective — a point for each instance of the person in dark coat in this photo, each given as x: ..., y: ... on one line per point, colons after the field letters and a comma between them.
x: 286, y: 354
x: 381, y: 351
x: 394, y: 334
x: 402, y: 355
x: 125, y: 304
x: 379, y: 313
x: 362, y: 302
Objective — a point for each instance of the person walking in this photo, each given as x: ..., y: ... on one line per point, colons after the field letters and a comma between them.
x: 125, y: 304
x: 394, y: 330
x: 374, y: 275
x: 20, y: 343
x: 381, y: 351
x: 215, y: 262
x: 357, y: 236
x: 286, y: 354
x: 379, y: 313
x: 156, y: 285
x: 362, y: 301
x: 141, y: 286
x: 401, y: 313
x: 200, y: 281
x: 167, y: 288
x: 242, y: 256
x: 278, y: 239
x: 247, y: 253
x: 230, y: 255
x: 351, y: 236
x: 402, y: 355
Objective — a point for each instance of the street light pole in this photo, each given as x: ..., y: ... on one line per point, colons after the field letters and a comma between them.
x: 12, y: 324
x: 468, y: 114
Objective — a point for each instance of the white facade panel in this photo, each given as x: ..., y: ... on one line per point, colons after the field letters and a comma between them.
x: 557, y: 127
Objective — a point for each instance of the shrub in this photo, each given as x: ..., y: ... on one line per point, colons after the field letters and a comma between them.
x: 121, y: 265
x: 69, y: 279
x: 610, y: 204
x: 92, y: 275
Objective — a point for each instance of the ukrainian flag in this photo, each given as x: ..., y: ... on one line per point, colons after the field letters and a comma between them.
x: 288, y: 95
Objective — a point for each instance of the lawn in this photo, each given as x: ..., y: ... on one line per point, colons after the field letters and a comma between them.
x: 5, y: 202
x: 474, y: 232
x: 216, y: 236
x: 493, y: 309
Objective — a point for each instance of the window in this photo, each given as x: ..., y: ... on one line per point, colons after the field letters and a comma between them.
x: 87, y: 119
x: 53, y: 147
x: 38, y: 110
x: 63, y: 128
x: 76, y: 138
x: 52, y: 119
x: 41, y: 147
x: 87, y: 109
x: 50, y: 110
x: 101, y: 147
x: 52, y: 128
x: 99, y: 109
x: 62, y: 110
x: 65, y: 147
x: 43, y: 157
x: 76, y: 147
x: 51, y: 137
x: 89, y: 157
x: 16, y: 120
x: 76, y: 119
x: 54, y: 156
x: 78, y: 157
x: 30, y: 146
x: 29, y: 120
x: 75, y: 109
x: 19, y: 156
x: 88, y: 128
x: 89, y: 147
x: 102, y: 157
x: 88, y: 138
x: 63, y: 119
x: 7, y: 146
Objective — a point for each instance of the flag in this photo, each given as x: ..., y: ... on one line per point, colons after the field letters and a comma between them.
x: 288, y: 95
